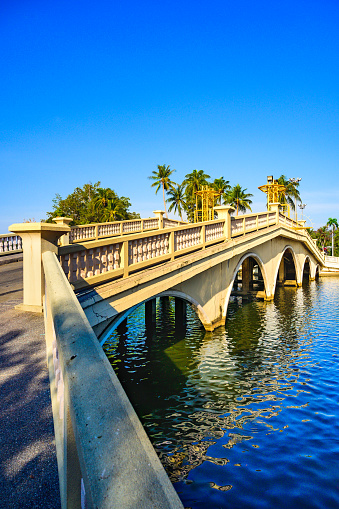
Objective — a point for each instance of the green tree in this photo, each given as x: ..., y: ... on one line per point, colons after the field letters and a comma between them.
x: 114, y: 210
x: 238, y: 198
x: 291, y: 194
x: 323, y: 236
x: 162, y: 179
x: 91, y: 203
x: 332, y: 221
x: 222, y: 186
x: 193, y: 182
x: 177, y: 199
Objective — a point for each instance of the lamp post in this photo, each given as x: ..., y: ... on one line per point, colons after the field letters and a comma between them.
x: 295, y: 182
x: 302, y: 206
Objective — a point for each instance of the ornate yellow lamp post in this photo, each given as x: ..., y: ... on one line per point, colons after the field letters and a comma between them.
x: 204, y: 204
x: 275, y: 192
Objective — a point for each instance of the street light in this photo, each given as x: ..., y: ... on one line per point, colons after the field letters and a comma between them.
x: 295, y: 182
x: 302, y: 206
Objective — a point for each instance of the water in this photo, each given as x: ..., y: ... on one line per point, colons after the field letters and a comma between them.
x: 246, y: 416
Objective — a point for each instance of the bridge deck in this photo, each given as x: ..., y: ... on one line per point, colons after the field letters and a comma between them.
x: 28, y: 467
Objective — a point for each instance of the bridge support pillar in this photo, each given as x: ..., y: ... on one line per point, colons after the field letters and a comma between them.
x: 281, y: 272
x: 247, y: 274
x: 180, y: 314
x: 37, y: 238
x: 150, y: 313
x: 122, y: 327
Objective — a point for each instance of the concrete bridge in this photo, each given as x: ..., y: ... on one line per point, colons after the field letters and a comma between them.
x: 89, y: 278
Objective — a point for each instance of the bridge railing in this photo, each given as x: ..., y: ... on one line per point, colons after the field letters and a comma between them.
x: 97, y: 261
x: 331, y: 262
x: 10, y: 242
x: 98, y: 231
x: 247, y: 223
x: 105, y: 458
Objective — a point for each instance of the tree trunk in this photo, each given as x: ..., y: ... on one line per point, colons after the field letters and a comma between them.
x: 163, y: 194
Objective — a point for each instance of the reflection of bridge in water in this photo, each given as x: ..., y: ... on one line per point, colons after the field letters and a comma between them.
x: 113, y: 269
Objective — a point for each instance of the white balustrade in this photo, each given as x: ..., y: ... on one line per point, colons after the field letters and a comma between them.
x: 10, y: 242
x: 91, y: 262
x: 186, y: 238
x: 214, y: 231
x: 237, y: 226
x: 123, y: 252
x: 151, y: 224
x: 170, y: 223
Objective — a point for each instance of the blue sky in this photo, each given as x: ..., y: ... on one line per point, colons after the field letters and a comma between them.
x: 108, y: 90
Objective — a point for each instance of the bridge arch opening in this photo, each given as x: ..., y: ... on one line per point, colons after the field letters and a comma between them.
x: 181, y: 301
x: 287, y: 274
x: 317, y: 272
x: 249, y: 279
x: 306, y: 274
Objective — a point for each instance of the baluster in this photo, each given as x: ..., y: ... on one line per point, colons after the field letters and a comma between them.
x: 166, y: 244
x: 117, y: 256
x: 162, y: 245
x: 157, y: 252
x: 135, y: 252
x: 104, y: 260
x: 90, y: 263
x: 110, y: 257
x: 153, y: 251
x: 149, y: 248
x: 139, y: 259
x: 144, y: 249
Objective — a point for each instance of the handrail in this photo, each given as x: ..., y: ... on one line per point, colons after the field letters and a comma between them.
x: 105, y: 458
x: 93, y: 262
x: 97, y: 231
x: 97, y: 261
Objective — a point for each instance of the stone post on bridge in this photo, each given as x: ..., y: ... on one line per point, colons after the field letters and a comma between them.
x: 224, y: 212
x: 36, y: 239
x: 160, y: 215
x: 63, y: 221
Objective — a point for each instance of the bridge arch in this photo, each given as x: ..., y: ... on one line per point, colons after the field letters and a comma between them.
x: 261, y: 265
x: 168, y: 293
x: 306, y: 269
x: 288, y: 248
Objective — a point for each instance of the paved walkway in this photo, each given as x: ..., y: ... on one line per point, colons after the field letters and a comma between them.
x: 28, y: 469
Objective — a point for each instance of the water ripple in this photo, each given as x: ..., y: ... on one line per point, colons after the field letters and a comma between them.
x: 248, y: 413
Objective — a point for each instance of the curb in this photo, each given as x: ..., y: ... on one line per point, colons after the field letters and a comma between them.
x: 4, y: 260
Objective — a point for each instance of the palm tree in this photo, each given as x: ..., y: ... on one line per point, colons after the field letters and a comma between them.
x: 332, y: 221
x: 322, y: 236
x: 237, y: 197
x: 113, y: 211
x: 193, y: 182
x: 103, y: 195
x: 162, y: 179
x: 176, y: 199
x: 222, y: 186
x: 292, y: 194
